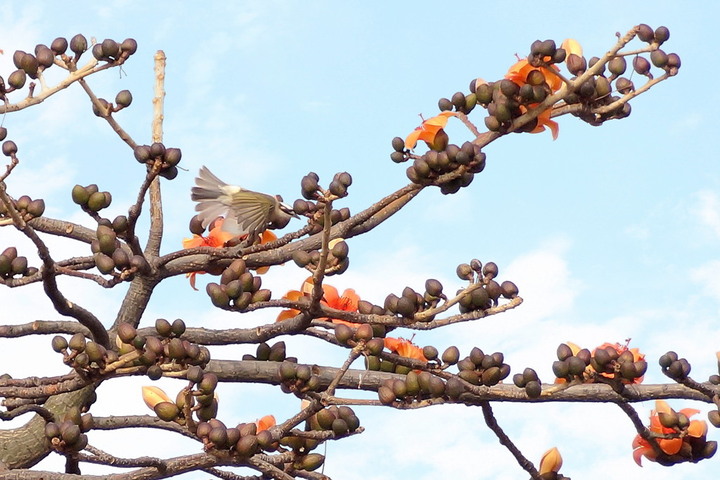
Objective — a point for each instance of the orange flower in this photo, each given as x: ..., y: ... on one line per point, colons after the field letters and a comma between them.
x: 518, y: 73
x: 218, y: 238
x: 637, y: 356
x: 265, y: 422
x: 589, y: 376
x: 404, y: 348
x: 543, y: 120
x: 294, y: 296
x: 348, y: 302
x: 428, y: 130
x: 669, y: 446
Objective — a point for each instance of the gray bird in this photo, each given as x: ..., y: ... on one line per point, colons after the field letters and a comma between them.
x: 245, y: 211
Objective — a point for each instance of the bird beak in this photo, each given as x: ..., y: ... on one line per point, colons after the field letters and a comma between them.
x: 288, y: 209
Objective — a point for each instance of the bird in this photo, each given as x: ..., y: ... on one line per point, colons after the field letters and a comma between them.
x: 245, y: 211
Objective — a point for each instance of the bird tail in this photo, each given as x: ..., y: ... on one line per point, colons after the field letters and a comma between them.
x: 209, y: 187
x: 208, y: 193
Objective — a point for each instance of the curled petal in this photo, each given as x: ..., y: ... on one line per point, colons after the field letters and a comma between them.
x: 642, y: 449
x: 154, y: 395
x: 671, y: 446
x: 545, y: 121
x: 195, y: 241
x: 689, y: 412
x: 551, y: 461
x: 192, y: 276
x: 428, y: 129
x: 265, y: 422
x: 697, y: 428
x: 294, y: 296
x: 575, y: 348
x: 412, y: 139
x: 404, y: 348
x: 287, y: 314
x: 330, y: 295
x: 572, y: 46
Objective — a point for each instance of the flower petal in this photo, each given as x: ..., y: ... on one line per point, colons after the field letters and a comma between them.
x: 572, y: 46
x: 697, y: 428
x: 154, y: 395
x: 428, y: 129
x: 671, y: 446
x: 265, y: 422
x: 551, y: 461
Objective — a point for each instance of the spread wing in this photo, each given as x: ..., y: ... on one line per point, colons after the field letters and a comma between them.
x: 251, y: 211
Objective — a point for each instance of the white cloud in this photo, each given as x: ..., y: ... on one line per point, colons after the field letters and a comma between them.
x: 708, y: 210
x: 708, y: 277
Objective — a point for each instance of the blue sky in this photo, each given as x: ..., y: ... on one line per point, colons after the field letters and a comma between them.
x: 609, y: 232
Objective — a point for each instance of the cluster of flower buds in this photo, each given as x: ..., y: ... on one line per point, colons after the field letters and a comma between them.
x: 103, y: 108
x: 109, y: 50
x: 416, y: 386
x: 276, y: 352
x: 169, y: 158
x: 111, y: 255
x: 297, y: 378
x: 674, y: 367
x: 68, y: 436
x: 198, y: 398
x: 351, y: 336
x: 312, y: 205
x: 488, y: 291
x: 311, y: 190
x: 619, y: 363
x: 613, y: 362
x: 441, y: 159
x: 243, y: 440
x: 530, y: 381
x: 90, y: 198
x: 479, y: 368
x: 155, y: 352
x: 337, y: 260
x: 26, y: 207
x: 340, y: 420
x: 571, y: 365
x: 32, y: 65
x: 84, y: 355
x: 12, y: 264
x: 238, y: 288
x: 411, y: 302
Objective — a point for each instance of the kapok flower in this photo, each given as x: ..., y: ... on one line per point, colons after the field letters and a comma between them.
x: 429, y: 130
x: 551, y: 461
x: 543, y: 120
x: 669, y: 446
x: 347, y: 302
x: 264, y: 423
x: 520, y: 70
x: 404, y: 348
x: 619, y: 348
x: 519, y: 73
x: 590, y: 373
x: 219, y: 238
